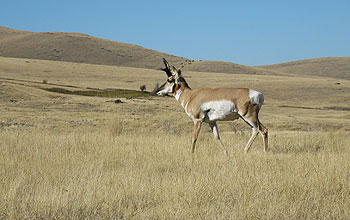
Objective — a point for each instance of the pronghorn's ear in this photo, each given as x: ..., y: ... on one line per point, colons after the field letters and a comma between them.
x: 177, y: 72
x: 177, y: 76
x: 167, y: 68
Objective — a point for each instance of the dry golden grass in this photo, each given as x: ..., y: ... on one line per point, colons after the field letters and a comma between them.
x: 76, y: 157
x: 143, y: 175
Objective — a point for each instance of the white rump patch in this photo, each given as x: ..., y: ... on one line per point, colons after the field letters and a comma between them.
x: 256, y: 97
x: 219, y: 110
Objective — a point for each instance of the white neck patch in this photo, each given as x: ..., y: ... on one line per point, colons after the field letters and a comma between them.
x: 177, y: 95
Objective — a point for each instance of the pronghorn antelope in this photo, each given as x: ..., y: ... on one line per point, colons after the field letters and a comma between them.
x: 210, y: 105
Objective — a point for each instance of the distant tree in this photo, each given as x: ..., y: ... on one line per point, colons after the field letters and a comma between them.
x: 143, y: 88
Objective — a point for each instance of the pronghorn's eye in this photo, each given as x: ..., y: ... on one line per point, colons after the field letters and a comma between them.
x: 170, y: 81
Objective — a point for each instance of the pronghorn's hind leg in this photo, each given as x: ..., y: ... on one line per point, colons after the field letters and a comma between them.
x: 251, y: 118
x: 264, y: 134
x: 214, y: 128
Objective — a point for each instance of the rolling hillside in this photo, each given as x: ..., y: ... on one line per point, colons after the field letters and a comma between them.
x: 76, y: 47
x: 81, y: 48
x: 8, y: 33
x: 335, y: 67
x: 227, y: 67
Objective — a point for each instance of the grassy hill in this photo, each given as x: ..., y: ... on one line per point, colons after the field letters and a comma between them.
x: 335, y: 67
x: 6, y: 33
x: 227, y: 67
x: 81, y: 48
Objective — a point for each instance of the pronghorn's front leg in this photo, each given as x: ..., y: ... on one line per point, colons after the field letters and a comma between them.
x: 214, y: 128
x: 196, y: 130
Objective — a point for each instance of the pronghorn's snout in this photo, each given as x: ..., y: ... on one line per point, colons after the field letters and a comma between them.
x: 160, y: 90
x: 159, y: 93
x: 165, y: 89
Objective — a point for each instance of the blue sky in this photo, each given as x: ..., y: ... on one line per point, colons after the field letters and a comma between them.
x: 245, y: 32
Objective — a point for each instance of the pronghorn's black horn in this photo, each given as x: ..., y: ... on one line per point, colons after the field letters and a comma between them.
x: 166, y: 63
x: 167, y: 68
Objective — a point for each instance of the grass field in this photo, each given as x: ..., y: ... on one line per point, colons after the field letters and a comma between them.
x: 145, y: 175
x: 65, y: 156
